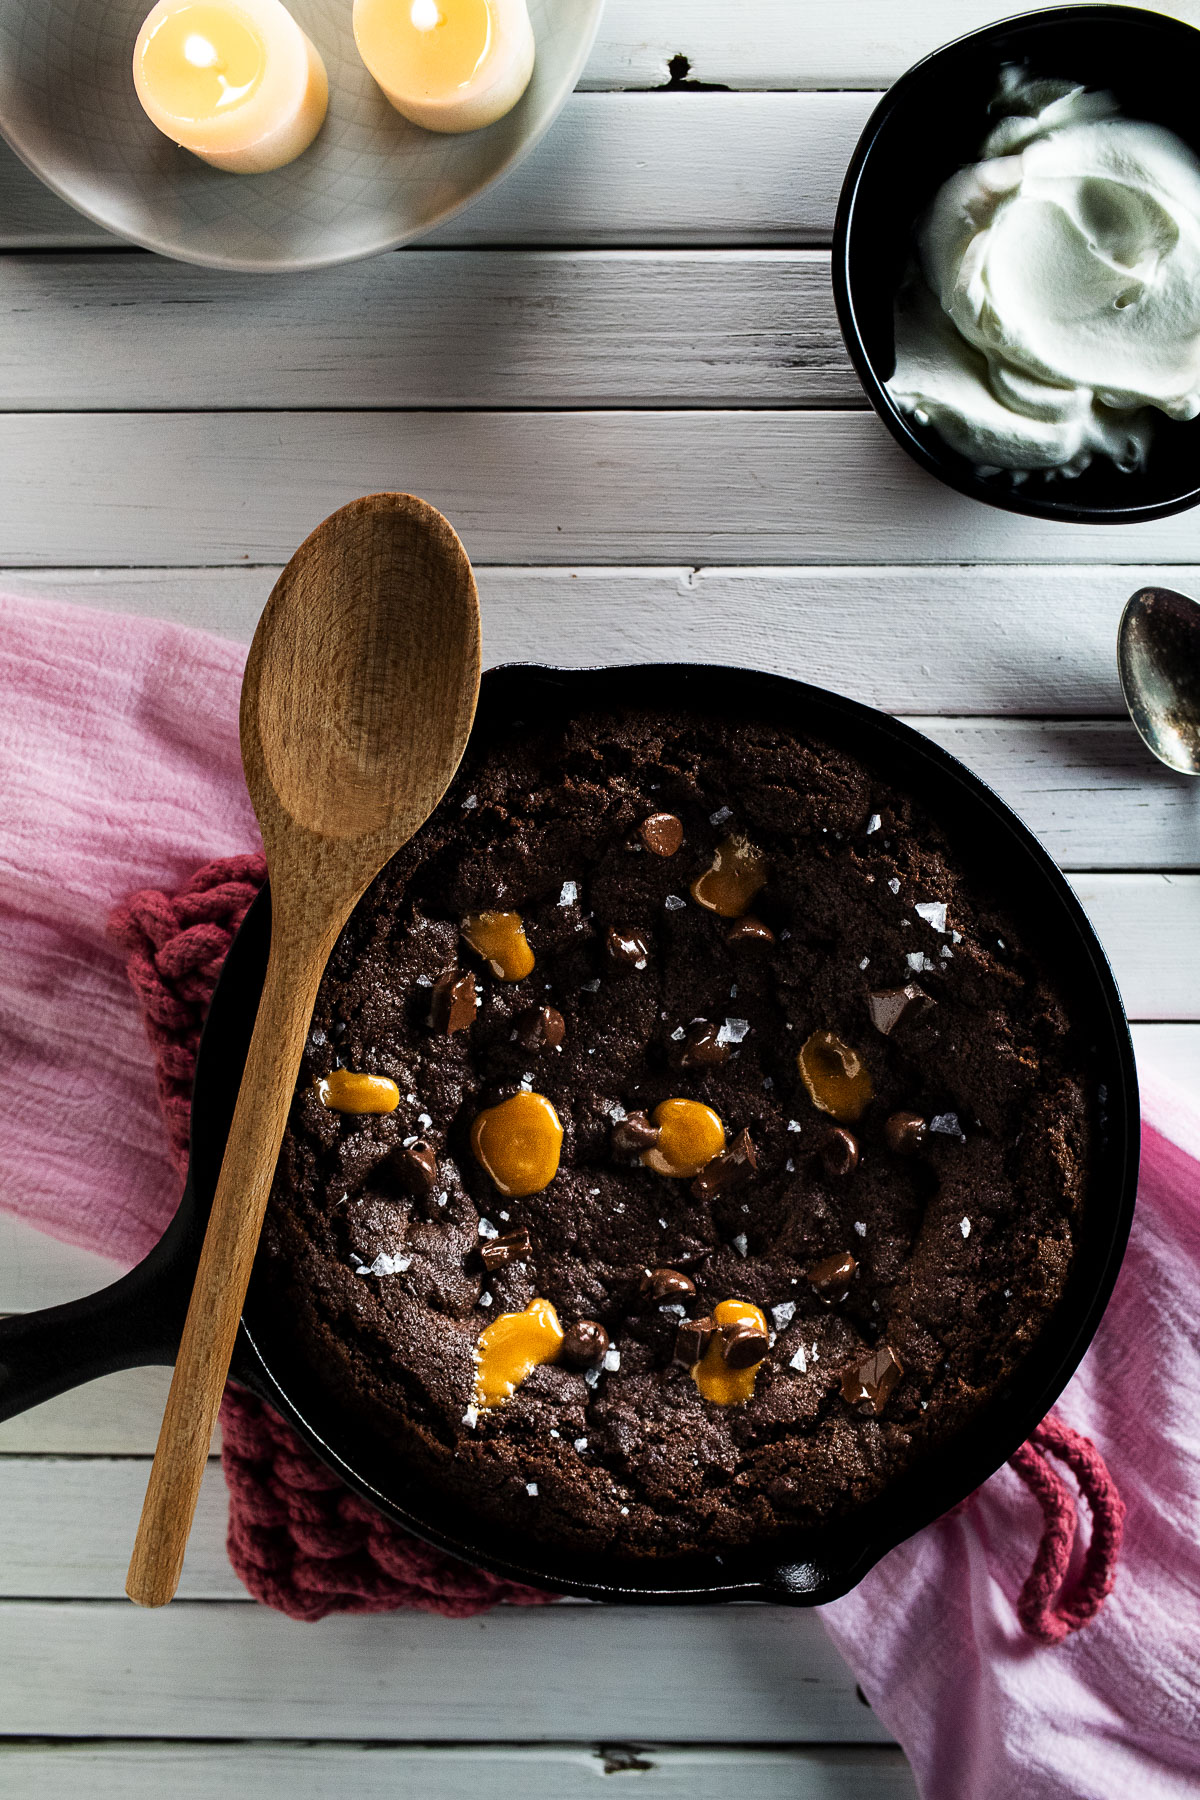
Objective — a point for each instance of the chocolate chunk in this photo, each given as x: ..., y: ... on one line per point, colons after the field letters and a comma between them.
x: 831, y: 1277
x: 415, y: 1167
x: 666, y: 1284
x: 904, y: 1133
x: 691, y: 1341
x: 873, y: 1379
x: 749, y: 930
x: 627, y: 949
x: 632, y: 1135
x: 585, y: 1345
x: 839, y: 1152
x: 514, y: 1246
x: 454, y: 1002
x: 897, y: 1006
x: 736, y: 1163
x: 703, y: 1047
x: 662, y: 833
x: 744, y: 1345
x: 541, y: 1027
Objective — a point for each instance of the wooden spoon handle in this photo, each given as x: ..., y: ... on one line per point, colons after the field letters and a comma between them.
x: 223, y: 1274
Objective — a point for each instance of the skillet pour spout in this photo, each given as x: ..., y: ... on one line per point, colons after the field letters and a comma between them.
x: 137, y: 1319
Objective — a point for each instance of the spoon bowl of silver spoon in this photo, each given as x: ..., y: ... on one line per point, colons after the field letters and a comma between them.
x: 1158, y: 658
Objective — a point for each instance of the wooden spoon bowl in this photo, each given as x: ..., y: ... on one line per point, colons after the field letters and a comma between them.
x: 357, y: 702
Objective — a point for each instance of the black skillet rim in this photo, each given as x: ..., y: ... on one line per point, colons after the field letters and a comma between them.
x: 806, y: 1567
x: 940, y: 461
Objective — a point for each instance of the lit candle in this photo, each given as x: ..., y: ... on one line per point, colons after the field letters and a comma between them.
x: 450, y: 65
x: 234, y: 81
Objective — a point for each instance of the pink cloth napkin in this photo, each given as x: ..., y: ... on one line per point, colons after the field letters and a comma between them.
x: 1113, y: 1713
x: 118, y: 743
x: 121, y: 770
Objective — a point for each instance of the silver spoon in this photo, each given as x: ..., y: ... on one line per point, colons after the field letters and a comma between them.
x: 1158, y: 657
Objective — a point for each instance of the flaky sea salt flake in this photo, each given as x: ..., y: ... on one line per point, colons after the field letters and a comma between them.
x: 612, y: 1361
x: 933, y: 912
x: 741, y: 1244
x: 674, y: 903
x: 569, y: 894
x: 894, y: 884
x: 783, y: 1314
x: 487, y: 1229
x: 799, y: 1361
x: 874, y: 823
x: 964, y: 1225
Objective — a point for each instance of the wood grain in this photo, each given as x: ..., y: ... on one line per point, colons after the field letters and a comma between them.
x: 1150, y: 926
x: 67, y: 1525
x: 381, y: 1772
x: 957, y: 640
x: 481, y: 328
x: 787, y: 43
x: 552, y: 487
x: 615, y: 169
x: 225, y: 1670
x: 118, y: 1416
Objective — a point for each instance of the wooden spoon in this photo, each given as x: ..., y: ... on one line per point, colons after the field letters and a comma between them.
x: 357, y: 701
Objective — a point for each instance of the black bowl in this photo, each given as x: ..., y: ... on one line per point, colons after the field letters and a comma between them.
x: 138, y: 1319
x: 932, y: 123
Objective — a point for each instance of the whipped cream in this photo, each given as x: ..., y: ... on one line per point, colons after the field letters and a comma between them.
x: 1057, y: 296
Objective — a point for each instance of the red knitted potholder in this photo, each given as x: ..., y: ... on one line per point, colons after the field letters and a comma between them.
x: 298, y: 1538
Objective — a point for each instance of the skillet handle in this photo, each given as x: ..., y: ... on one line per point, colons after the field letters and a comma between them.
x: 137, y: 1320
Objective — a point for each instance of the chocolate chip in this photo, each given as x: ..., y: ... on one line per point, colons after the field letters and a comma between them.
x: 454, y: 1002
x: 627, y: 949
x: 585, y: 1345
x: 703, y: 1047
x: 736, y: 1163
x: 415, y: 1167
x: 541, y: 1027
x: 749, y: 930
x: 831, y: 1277
x: 897, y: 1006
x: 873, y: 1379
x: 691, y: 1341
x: 514, y: 1246
x: 632, y: 1135
x: 666, y: 1284
x: 839, y: 1152
x: 904, y: 1133
x: 743, y: 1345
x: 662, y: 833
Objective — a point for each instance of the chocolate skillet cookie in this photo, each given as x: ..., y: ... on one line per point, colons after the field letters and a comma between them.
x: 684, y: 1144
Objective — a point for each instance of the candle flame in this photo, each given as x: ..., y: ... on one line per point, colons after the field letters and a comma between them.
x: 199, y: 52
x: 425, y: 14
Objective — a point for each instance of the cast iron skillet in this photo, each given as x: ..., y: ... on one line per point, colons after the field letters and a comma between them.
x: 138, y: 1319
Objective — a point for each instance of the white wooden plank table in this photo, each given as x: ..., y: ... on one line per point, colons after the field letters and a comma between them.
x: 621, y: 375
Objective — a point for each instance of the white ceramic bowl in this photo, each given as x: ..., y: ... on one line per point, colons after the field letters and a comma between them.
x: 371, y: 181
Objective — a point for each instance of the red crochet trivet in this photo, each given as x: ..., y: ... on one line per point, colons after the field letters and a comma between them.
x: 298, y: 1538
